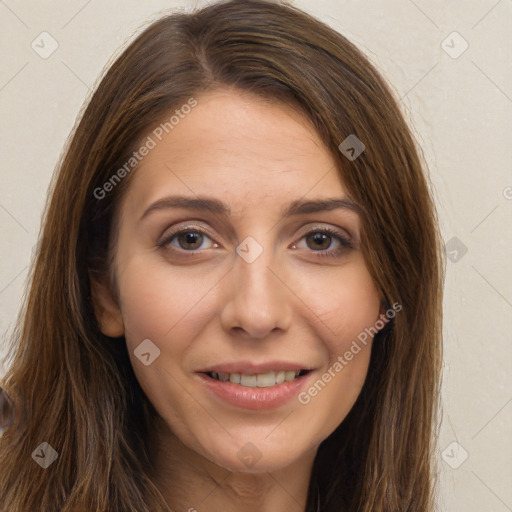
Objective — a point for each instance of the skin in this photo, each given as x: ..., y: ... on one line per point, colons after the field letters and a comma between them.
x: 211, y: 307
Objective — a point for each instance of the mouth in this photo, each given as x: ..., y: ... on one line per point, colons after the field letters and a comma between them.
x: 258, y: 380
x: 249, y: 388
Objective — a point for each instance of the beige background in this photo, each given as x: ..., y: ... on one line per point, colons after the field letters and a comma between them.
x: 459, y: 105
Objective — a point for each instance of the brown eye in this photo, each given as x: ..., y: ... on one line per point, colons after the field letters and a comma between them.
x: 325, y: 242
x: 187, y: 240
x: 319, y: 241
x: 190, y: 239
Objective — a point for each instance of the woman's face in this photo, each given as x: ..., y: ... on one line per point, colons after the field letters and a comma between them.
x: 234, y: 276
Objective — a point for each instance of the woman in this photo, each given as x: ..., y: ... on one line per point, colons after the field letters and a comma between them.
x: 236, y: 302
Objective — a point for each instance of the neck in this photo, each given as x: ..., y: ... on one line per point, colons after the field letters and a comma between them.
x: 190, y: 482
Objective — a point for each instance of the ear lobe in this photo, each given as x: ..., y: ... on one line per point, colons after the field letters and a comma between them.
x: 106, y: 309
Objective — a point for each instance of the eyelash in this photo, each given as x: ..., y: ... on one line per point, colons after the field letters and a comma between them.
x: 345, y: 244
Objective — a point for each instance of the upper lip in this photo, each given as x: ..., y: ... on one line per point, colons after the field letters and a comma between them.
x: 250, y: 368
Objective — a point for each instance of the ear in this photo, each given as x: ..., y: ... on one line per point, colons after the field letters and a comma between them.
x: 384, y: 306
x: 107, y: 311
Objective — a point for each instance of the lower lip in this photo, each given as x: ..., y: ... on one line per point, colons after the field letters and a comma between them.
x: 255, y: 398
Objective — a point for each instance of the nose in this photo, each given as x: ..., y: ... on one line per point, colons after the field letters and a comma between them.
x: 258, y: 300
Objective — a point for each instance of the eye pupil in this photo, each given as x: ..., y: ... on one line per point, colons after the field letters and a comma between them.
x: 320, y: 239
x: 192, y: 238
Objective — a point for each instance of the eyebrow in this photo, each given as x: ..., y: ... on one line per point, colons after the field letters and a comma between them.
x: 212, y: 205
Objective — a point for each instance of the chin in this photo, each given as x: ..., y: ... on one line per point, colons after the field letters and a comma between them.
x: 258, y: 456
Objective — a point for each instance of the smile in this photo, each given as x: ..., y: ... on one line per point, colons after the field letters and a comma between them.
x: 252, y: 389
x: 259, y: 380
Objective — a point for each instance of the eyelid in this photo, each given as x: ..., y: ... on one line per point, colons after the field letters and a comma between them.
x: 346, y: 243
x: 342, y: 233
x: 177, y: 228
x: 345, y: 238
x: 180, y: 228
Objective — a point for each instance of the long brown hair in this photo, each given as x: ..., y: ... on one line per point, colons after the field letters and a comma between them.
x: 74, y: 388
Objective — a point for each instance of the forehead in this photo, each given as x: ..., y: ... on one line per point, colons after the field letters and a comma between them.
x: 245, y: 150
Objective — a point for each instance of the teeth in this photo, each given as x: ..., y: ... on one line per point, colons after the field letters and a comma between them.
x: 260, y: 380
x: 280, y: 376
x: 224, y: 377
x: 234, y: 378
x: 264, y: 380
x: 248, y: 380
x: 289, y: 376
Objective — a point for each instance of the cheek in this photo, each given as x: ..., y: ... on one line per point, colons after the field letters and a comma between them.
x: 347, y: 315
x: 348, y: 312
x: 164, y: 303
x: 345, y: 303
x: 169, y: 307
